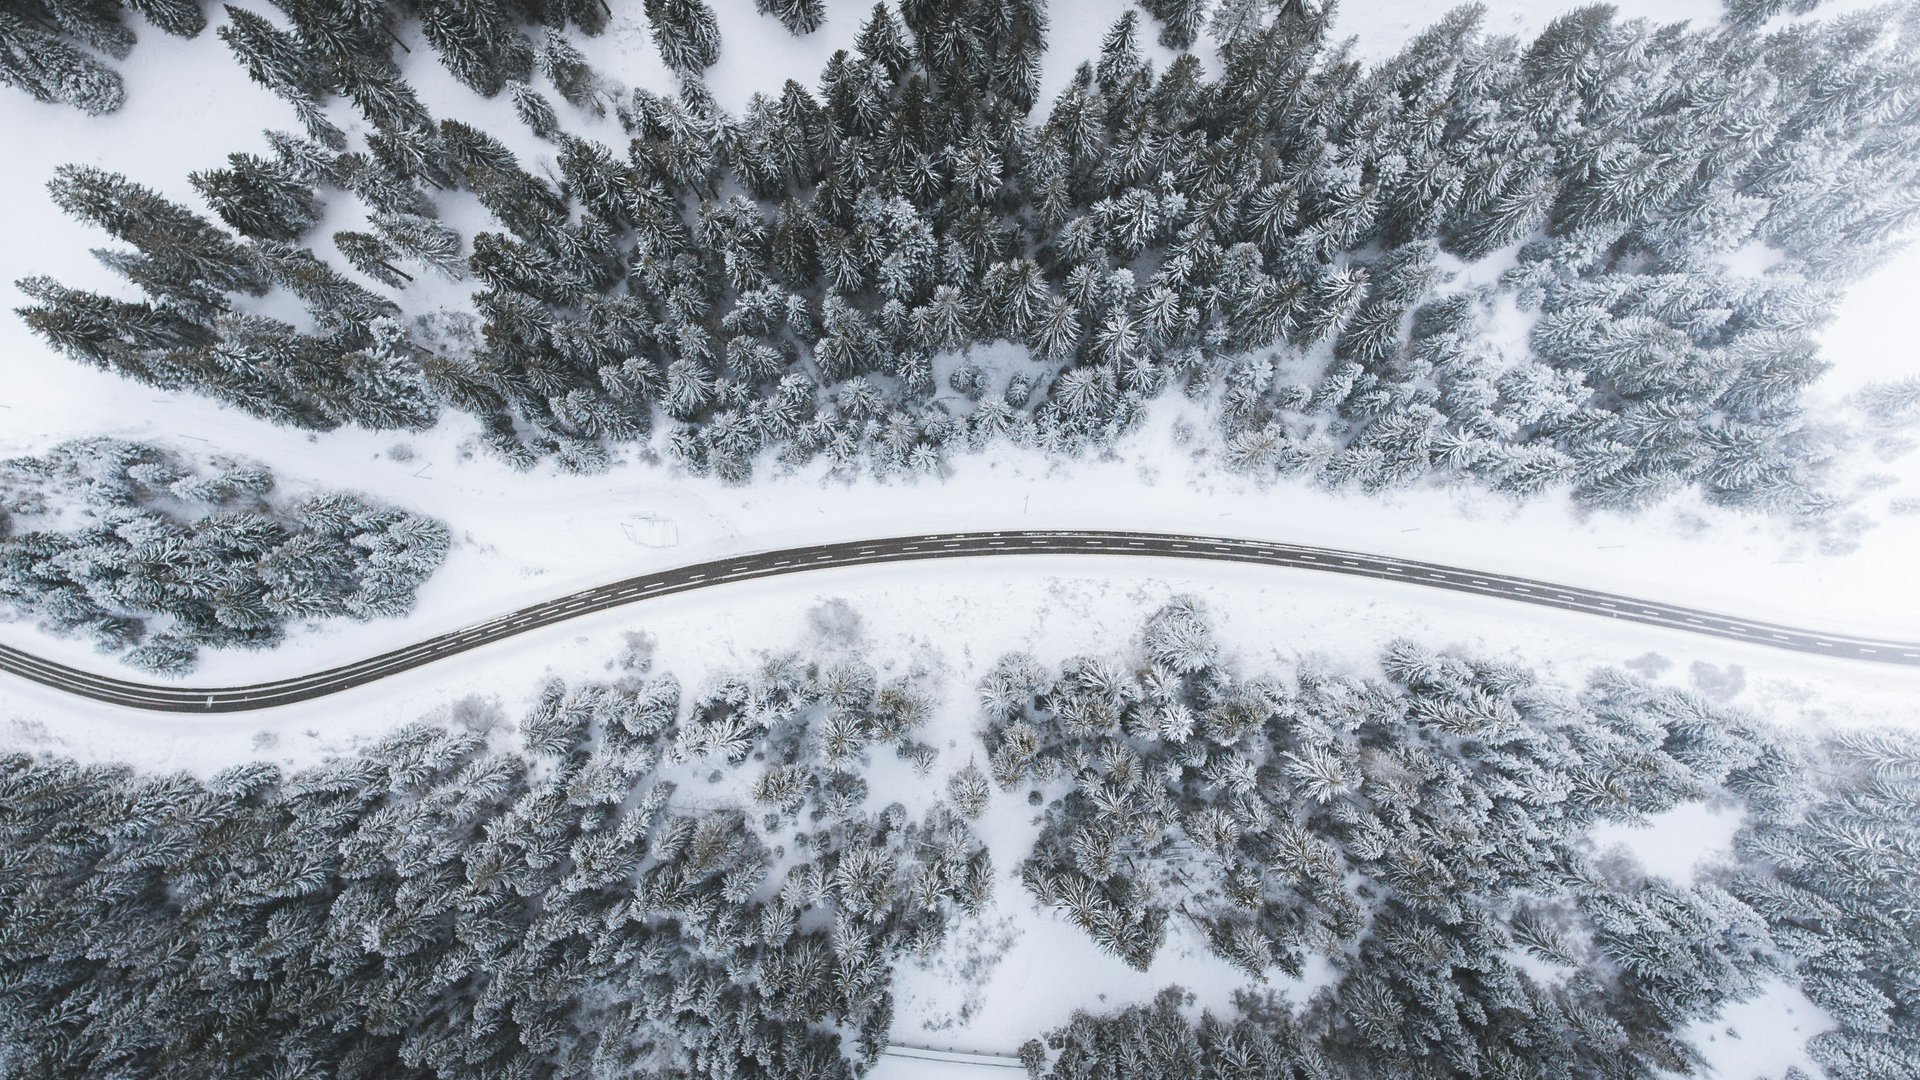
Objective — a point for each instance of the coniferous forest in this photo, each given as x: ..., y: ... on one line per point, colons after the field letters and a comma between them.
x: 623, y: 884
x: 154, y: 557
x: 793, y: 282
x: 1578, y: 262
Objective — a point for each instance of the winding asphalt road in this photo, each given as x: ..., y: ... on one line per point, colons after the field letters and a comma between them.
x: 163, y: 698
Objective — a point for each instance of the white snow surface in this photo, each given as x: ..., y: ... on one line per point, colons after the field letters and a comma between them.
x: 1673, y: 844
x: 1760, y: 1038
x: 1016, y: 970
x: 522, y: 538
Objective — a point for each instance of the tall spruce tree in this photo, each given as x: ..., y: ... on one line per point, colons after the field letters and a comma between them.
x: 686, y: 34
x: 799, y: 16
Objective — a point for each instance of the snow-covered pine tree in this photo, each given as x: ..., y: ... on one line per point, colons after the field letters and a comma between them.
x: 260, y: 198
x: 51, y: 70
x: 800, y: 16
x: 686, y: 34
x: 1180, y: 20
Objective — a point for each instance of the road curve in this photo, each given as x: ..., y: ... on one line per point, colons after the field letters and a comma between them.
x: 164, y: 698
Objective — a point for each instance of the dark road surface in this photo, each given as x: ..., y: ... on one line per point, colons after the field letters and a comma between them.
x: 164, y: 698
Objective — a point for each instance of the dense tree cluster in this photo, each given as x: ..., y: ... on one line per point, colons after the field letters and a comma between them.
x: 580, y: 898
x: 155, y: 556
x: 54, y: 49
x: 632, y: 883
x: 796, y: 281
x: 1829, y: 862
x: 1427, y: 834
x: 1833, y: 846
x: 1420, y: 832
x: 482, y: 42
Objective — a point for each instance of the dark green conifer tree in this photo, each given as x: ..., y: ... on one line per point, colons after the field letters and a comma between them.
x: 51, y: 70
x: 260, y: 198
x: 799, y: 16
x: 686, y: 34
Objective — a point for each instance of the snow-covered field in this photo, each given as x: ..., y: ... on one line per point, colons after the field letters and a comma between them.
x: 529, y: 537
x: 1018, y: 970
x: 521, y: 538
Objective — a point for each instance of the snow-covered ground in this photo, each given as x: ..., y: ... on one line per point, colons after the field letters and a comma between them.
x: 524, y: 538
x: 528, y: 537
x: 521, y: 538
x: 1017, y: 969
